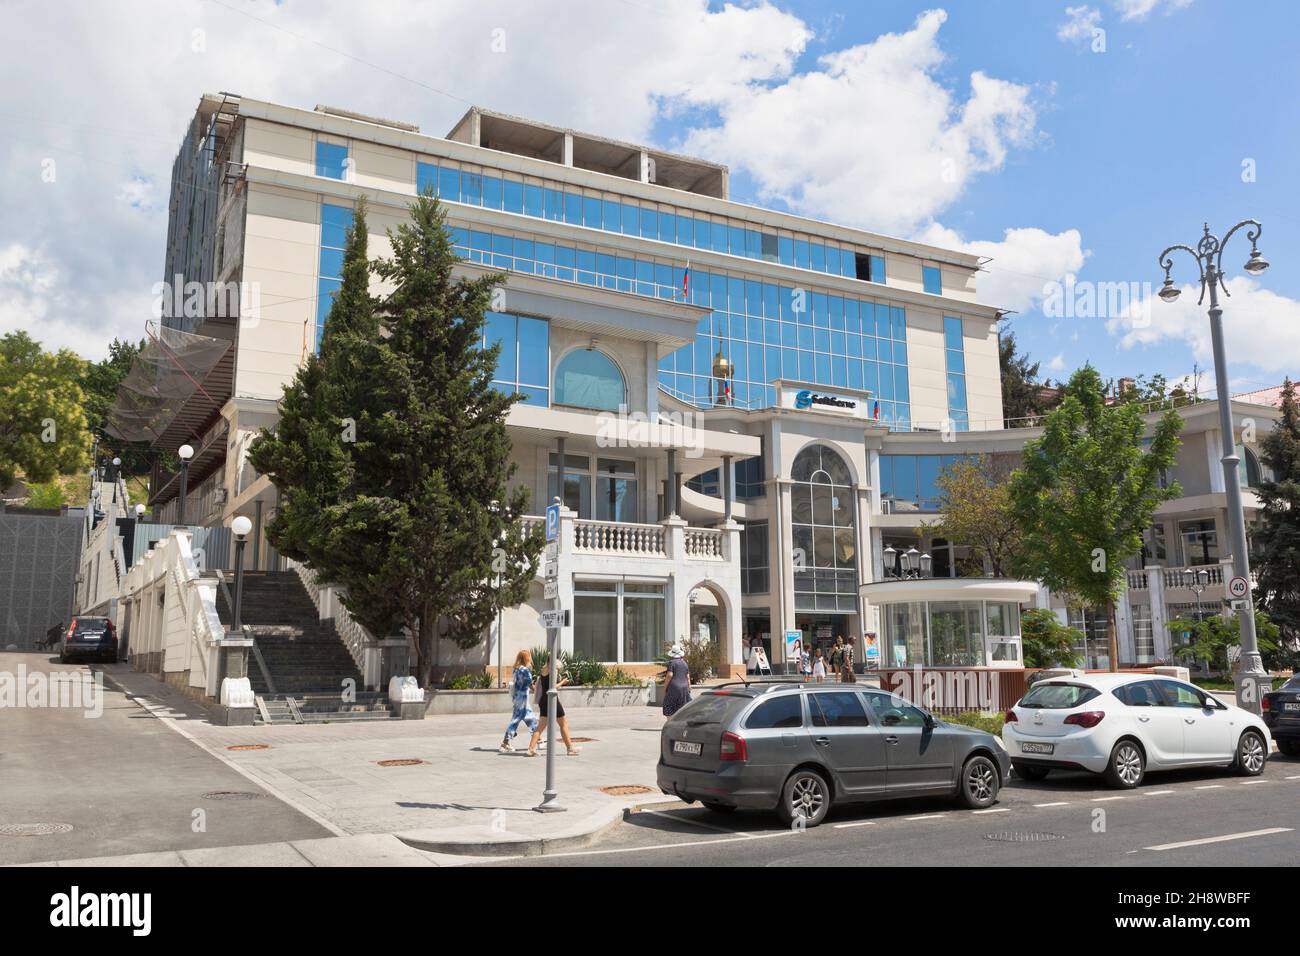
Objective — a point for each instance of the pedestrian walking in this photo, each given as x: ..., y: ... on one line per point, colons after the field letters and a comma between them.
x: 543, y: 708
x: 805, y: 664
x: 837, y: 655
x: 677, y: 682
x: 52, y: 635
x: 521, y: 685
x: 819, y: 667
x: 846, y: 664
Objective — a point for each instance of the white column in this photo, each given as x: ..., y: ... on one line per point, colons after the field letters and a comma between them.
x: 1159, y: 613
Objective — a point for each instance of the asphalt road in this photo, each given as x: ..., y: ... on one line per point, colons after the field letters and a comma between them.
x: 1069, y: 819
x: 122, y: 781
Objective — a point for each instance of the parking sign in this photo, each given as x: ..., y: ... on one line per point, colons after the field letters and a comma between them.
x: 552, y: 522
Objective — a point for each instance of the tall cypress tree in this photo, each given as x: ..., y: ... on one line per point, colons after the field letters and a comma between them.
x: 1278, y: 534
x: 392, y: 454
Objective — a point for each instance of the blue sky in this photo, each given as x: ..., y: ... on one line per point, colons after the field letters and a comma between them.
x: 994, y: 126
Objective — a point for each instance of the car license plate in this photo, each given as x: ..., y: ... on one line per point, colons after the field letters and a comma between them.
x: 686, y: 747
x: 90, y: 637
x: 1291, y: 706
x: 1028, y: 748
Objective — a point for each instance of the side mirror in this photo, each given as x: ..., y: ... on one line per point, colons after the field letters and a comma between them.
x: 929, y: 721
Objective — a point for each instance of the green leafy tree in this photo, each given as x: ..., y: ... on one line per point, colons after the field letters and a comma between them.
x: 47, y: 494
x: 1047, y: 642
x: 1277, y: 537
x: 392, y: 455
x: 975, y: 500
x: 1086, y: 492
x: 42, y: 425
x: 1208, y: 640
x: 1022, y: 401
x: 100, y: 383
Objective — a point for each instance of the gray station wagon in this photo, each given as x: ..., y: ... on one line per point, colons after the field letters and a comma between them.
x: 799, y: 748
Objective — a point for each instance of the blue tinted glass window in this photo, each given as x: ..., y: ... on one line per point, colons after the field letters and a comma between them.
x: 591, y: 212
x: 554, y: 205
x: 785, y: 250
x: 718, y: 236
x: 471, y: 188
x: 331, y: 262
x: 631, y: 220
x: 753, y: 244
x: 512, y: 196
x: 449, y: 184
x: 956, y: 392
x: 685, y: 231
x: 877, y: 268
x: 587, y: 378
x: 492, y: 192
x: 900, y: 383
x: 955, y: 361
x: 802, y: 254
x: 500, y: 330
x: 736, y: 240
x: 898, y: 322
x: 932, y: 280
x: 667, y: 227
x: 573, y: 209
x: 335, y: 223
x: 534, y: 351
x: 848, y: 263
x: 426, y: 177
x: 852, y: 321
x: 331, y: 160
x: 818, y: 257
x: 952, y: 333
x: 611, y: 216
x: 533, y: 201
x: 649, y: 223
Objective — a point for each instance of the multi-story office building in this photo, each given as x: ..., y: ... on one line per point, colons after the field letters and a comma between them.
x: 741, y: 409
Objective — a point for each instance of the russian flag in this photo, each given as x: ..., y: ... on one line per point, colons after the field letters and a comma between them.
x: 686, y: 281
x: 875, y: 411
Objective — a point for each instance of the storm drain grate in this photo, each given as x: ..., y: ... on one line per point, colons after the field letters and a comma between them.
x: 400, y: 762
x: 625, y: 790
x: 249, y: 747
x: 1022, y: 836
x: 34, y: 829
x: 232, y: 795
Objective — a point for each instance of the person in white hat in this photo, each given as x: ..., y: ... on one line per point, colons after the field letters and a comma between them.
x: 677, y: 681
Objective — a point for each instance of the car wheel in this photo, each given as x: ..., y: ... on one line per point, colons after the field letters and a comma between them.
x: 979, y: 782
x: 1029, y: 772
x: 806, y: 794
x: 1127, y: 766
x: 717, y: 807
x: 1252, y: 754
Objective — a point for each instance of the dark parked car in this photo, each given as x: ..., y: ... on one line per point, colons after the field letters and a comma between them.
x: 799, y: 748
x: 1281, y: 711
x: 89, y: 638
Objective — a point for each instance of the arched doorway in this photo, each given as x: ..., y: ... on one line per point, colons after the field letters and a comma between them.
x: 707, y: 622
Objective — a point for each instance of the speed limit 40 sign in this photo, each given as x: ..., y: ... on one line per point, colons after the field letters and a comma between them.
x: 1237, y: 587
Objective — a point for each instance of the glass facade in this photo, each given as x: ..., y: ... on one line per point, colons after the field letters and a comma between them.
x: 1095, y: 647
x: 954, y: 354
x: 619, y: 621
x: 910, y: 482
x: 524, y: 363
x: 335, y: 221
x: 824, y: 533
x: 753, y: 558
x: 951, y: 633
x: 331, y: 160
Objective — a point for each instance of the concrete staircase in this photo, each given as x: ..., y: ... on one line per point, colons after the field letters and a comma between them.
x: 309, y: 667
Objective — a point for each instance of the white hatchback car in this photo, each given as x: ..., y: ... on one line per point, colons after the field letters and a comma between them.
x: 1122, y: 725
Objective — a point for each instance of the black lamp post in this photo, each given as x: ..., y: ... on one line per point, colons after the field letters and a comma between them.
x: 186, y: 452
x: 240, y: 526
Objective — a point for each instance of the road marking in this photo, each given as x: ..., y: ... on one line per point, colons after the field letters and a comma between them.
x: 1247, y: 783
x: 1156, y: 793
x: 1220, y: 839
x: 1104, y: 799
x: 994, y: 810
x: 1058, y: 803
x: 927, y: 816
x: 1210, y: 786
x: 659, y: 846
x: 1295, y: 777
x: 697, y: 823
x: 860, y: 823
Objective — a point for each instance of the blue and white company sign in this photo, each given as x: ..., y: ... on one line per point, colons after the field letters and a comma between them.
x: 807, y: 399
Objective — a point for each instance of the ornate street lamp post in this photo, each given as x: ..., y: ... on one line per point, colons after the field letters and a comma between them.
x: 185, y: 452
x: 240, y: 526
x: 1251, y: 678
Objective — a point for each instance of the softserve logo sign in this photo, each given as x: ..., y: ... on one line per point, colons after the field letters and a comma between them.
x: 75, y: 909
x: 806, y: 398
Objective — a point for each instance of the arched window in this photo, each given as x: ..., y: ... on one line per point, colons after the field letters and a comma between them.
x: 822, y: 526
x: 586, y: 378
x: 1248, y: 467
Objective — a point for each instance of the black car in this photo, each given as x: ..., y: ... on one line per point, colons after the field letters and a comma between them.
x: 1281, y: 711
x: 89, y: 638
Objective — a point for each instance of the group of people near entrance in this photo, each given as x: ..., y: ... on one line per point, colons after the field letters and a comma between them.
x: 815, y: 665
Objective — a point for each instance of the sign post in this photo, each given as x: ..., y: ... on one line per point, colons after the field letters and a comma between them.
x: 552, y: 620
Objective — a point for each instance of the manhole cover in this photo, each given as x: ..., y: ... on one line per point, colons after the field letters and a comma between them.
x: 626, y: 790
x: 249, y: 747
x: 33, y: 829
x: 1019, y: 836
x: 232, y: 795
x: 403, y: 762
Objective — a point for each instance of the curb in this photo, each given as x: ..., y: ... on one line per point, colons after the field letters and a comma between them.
x: 576, y: 838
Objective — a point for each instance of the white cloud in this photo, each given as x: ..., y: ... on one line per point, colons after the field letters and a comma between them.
x: 1023, y: 261
x: 137, y: 192
x: 1080, y: 23
x: 871, y: 137
x: 1056, y: 363
x: 1141, y: 9
x: 1261, y: 328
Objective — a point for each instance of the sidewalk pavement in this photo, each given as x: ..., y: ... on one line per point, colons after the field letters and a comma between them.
x: 463, y: 797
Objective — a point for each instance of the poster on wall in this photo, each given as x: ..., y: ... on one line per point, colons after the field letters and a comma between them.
x: 870, y: 651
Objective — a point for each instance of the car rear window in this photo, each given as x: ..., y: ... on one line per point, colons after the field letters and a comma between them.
x: 96, y: 624
x: 1292, y: 684
x: 711, y: 708
x: 783, y: 711
x: 1052, y: 696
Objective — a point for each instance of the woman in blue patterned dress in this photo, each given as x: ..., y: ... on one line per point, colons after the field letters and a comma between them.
x: 520, y: 688
x: 677, y: 682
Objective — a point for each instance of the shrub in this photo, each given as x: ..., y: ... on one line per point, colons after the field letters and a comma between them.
x: 540, y: 656
x: 479, y: 681
x: 581, y: 671
x: 703, y: 658
x: 1046, y: 641
x: 990, y: 723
